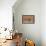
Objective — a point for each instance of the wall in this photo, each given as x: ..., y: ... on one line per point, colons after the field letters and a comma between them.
x: 6, y: 13
x: 43, y: 22
x: 6, y: 18
x: 30, y: 31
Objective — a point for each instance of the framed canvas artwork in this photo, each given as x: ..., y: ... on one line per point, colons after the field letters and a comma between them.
x: 28, y: 19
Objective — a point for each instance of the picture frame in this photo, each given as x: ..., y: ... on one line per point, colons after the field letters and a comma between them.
x: 28, y: 19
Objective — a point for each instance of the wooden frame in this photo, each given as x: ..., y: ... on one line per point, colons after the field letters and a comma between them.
x: 28, y: 19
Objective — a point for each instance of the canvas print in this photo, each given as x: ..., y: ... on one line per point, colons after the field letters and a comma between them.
x: 28, y: 19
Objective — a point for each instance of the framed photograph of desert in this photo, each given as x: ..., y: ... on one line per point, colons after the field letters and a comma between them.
x: 28, y: 19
